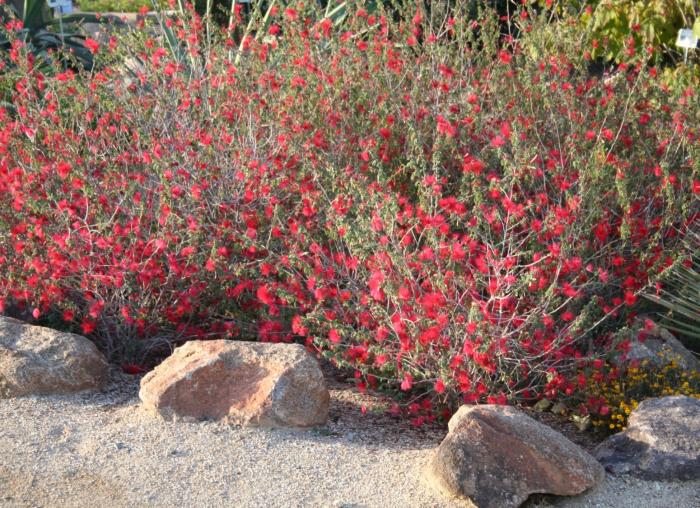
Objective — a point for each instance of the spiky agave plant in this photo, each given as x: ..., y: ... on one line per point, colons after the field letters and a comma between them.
x: 680, y: 294
x: 47, y: 36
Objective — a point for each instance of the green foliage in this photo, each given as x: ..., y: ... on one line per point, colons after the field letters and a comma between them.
x: 624, y: 29
x: 114, y: 5
x: 337, y: 9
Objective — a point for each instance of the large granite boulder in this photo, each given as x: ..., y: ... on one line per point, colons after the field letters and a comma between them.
x: 496, y: 456
x: 661, y: 442
x: 248, y: 383
x: 38, y: 361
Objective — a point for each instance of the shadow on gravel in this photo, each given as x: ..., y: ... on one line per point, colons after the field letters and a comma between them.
x: 33, y: 488
x: 374, y: 427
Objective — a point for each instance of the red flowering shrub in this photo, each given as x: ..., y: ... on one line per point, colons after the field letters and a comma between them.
x: 451, y: 213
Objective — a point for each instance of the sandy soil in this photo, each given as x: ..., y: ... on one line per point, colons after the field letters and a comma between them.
x: 97, y: 449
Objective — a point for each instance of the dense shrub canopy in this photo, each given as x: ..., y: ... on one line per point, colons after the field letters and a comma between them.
x: 455, y: 214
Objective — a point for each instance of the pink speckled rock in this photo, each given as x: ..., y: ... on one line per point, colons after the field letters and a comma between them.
x: 247, y: 383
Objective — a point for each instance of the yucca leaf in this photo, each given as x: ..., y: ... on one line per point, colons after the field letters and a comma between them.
x: 679, y: 326
x: 681, y: 294
x: 36, y: 14
x: 338, y: 13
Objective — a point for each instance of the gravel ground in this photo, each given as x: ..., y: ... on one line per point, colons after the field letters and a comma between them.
x: 103, y: 449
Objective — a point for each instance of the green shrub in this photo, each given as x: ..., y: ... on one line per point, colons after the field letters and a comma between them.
x: 626, y: 30
x: 114, y: 5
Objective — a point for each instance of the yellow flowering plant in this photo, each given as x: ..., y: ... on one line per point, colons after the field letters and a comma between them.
x: 619, y: 393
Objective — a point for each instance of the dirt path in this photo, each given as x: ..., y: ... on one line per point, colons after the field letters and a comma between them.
x: 102, y: 449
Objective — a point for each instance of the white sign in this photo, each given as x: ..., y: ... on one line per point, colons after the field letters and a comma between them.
x: 686, y: 39
x: 61, y: 6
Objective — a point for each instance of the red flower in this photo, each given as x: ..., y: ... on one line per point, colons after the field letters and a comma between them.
x: 407, y: 382
x: 133, y: 368
x: 92, y: 45
x: 429, y: 335
x: 63, y: 169
x: 334, y: 336
x: 472, y: 165
x: 504, y: 56
x: 265, y: 295
x: 271, y: 331
x: 497, y: 141
x: 88, y: 327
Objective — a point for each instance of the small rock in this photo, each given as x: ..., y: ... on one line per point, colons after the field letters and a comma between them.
x: 249, y: 383
x: 661, y: 441
x: 496, y: 456
x: 658, y: 346
x: 39, y: 361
